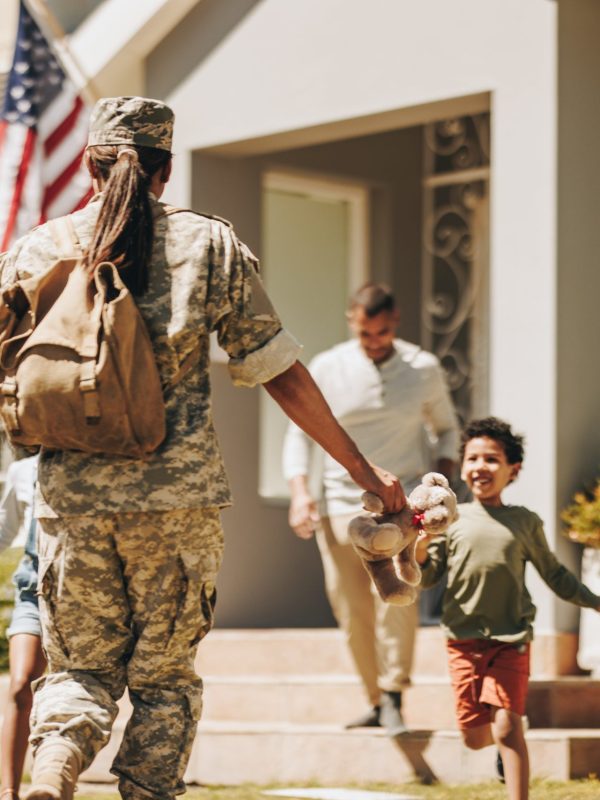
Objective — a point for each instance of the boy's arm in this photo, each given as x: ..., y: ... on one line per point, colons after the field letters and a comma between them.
x: 561, y: 580
x: 431, y: 553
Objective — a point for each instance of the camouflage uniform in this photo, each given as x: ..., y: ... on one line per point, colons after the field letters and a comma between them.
x: 129, y: 550
x: 126, y: 600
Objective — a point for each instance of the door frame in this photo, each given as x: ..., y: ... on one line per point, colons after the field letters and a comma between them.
x: 321, y: 186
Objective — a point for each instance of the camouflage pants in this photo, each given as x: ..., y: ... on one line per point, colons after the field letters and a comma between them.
x: 124, y: 601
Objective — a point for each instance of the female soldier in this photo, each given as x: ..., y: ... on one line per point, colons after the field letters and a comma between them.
x: 129, y: 550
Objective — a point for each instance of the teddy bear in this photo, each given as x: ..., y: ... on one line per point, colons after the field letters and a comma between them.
x: 386, y: 542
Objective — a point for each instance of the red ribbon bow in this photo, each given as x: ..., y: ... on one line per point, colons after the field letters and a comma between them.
x: 417, y: 519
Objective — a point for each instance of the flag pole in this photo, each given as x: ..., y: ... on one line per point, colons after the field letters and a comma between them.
x: 57, y: 39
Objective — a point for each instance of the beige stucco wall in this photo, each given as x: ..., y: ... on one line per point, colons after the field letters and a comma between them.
x: 286, y: 74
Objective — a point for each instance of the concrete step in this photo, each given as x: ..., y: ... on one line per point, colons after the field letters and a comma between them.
x: 276, y: 702
x: 234, y: 753
x: 313, y: 651
x: 316, y: 700
x: 335, y: 700
x: 428, y: 703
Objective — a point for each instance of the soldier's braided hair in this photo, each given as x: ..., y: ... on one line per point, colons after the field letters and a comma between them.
x: 125, y: 228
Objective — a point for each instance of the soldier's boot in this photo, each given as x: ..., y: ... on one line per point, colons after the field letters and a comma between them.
x: 390, y: 716
x: 56, y: 767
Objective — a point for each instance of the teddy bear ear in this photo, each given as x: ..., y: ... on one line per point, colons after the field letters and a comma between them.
x: 435, y: 479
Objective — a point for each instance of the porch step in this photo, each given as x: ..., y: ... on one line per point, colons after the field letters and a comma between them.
x: 428, y: 703
x: 336, y: 699
x: 235, y: 753
x: 276, y: 702
x: 323, y: 650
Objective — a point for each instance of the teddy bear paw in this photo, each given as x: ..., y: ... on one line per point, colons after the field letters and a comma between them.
x: 372, y: 502
x: 387, y: 539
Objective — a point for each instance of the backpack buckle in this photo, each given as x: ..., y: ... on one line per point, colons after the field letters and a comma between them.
x: 87, y: 387
x: 9, y: 387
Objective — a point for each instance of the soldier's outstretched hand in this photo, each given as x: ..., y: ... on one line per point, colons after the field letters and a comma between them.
x: 384, y: 484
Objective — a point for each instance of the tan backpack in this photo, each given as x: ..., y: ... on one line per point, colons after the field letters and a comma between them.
x: 76, y: 362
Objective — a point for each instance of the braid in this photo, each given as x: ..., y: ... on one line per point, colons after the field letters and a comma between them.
x: 124, y: 229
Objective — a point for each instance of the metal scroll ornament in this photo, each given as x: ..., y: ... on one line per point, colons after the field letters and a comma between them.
x: 455, y: 255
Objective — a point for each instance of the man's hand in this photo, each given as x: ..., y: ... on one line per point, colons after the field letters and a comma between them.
x: 303, y: 516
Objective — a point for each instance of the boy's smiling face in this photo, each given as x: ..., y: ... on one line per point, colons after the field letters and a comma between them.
x: 486, y: 471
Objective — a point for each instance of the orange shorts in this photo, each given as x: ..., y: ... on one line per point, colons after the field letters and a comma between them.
x: 487, y: 673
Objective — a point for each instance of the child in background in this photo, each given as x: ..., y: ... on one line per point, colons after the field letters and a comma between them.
x: 487, y: 611
x: 27, y: 662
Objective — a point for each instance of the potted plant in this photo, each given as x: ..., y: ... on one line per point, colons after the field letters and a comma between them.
x: 582, y: 518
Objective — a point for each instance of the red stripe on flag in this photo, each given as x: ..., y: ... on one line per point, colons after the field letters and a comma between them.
x: 80, y: 204
x: 19, y: 184
x: 84, y: 201
x: 3, y: 127
x: 59, y: 133
x: 56, y: 187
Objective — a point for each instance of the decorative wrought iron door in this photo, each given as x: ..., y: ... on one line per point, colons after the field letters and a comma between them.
x: 456, y: 254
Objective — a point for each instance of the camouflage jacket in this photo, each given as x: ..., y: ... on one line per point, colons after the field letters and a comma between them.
x: 201, y: 279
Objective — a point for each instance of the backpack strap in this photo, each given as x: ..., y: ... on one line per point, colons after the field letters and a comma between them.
x: 65, y: 237
x: 187, y: 365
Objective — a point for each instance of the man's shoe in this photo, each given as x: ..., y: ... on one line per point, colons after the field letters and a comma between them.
x: 499, y: 767
x: 368, y: 720
x: 56, y: 767
x: 390, y: 716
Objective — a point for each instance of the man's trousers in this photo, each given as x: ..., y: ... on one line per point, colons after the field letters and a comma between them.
x: 381, y: 637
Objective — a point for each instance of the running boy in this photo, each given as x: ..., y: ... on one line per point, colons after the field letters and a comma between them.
x: 487, y: 611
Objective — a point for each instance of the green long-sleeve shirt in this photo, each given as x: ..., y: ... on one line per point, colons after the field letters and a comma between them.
x: 485, y: 553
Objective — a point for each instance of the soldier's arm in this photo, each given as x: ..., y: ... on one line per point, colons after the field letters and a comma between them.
x: 300, y: 398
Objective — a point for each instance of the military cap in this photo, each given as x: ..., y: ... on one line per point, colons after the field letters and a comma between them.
x: 137, y: 121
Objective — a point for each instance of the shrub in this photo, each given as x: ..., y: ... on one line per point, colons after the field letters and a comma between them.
x: 8, y: 564
x: 582, y: 517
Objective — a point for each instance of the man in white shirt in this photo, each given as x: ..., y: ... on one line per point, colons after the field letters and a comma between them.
x: 389, y: 395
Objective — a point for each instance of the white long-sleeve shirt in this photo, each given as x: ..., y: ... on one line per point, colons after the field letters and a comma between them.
x: 16, y: 504
x: 386, y: 409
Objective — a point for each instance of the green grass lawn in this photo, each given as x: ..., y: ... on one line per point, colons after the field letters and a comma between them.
x: 540, y: 790
x: 8, y: 563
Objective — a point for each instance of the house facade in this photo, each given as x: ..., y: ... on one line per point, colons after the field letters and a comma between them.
x: 446, y: 148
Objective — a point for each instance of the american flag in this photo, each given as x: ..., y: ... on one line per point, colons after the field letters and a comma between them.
x: 43, y: 132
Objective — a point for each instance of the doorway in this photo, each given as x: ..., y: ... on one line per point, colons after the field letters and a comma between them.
x: 314, y: 254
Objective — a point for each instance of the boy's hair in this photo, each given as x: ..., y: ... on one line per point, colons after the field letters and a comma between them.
x: 495, y: 428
